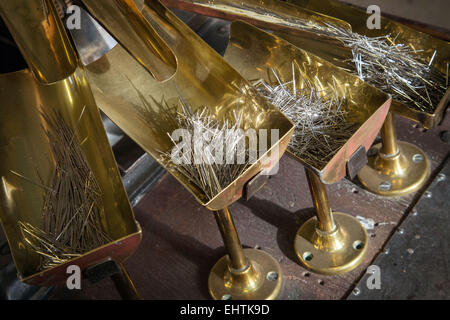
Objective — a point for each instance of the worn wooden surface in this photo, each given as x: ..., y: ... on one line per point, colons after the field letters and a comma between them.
x: 415, y: 263
x: 181, y: 241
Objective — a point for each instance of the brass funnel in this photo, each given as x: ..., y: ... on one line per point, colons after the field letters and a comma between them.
x: 54, y: 83
x: 135, y: 101
x: 323, y: 244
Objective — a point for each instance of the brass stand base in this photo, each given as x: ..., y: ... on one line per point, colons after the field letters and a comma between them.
x: 260, y: 281
x: 335, y: 252
x: 401, y: 174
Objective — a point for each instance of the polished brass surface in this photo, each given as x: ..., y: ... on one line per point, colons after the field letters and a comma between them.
x: 242, y: 274
x: 26, y: 150
x: 331, y: 253
x: 262, y: 280
x: 392, y: 170
x: 396, y: 168
x: 231, y: 240
x: 126, y: 23
x: 333, y: 242
x: 27, y: 164
x: 41, y: 37
x: 321, y: 203
x: 254, y: 52
x: 389, y: 136
x: 121, y: 85
x: 340, y: 56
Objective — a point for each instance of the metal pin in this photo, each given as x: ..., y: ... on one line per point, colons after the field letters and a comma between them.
x: 73, y: 206
x: 321, y: 125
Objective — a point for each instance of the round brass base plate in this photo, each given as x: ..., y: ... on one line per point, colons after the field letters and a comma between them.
x: 267, y: 273
x: 313, y: 253
x: 397, y: 176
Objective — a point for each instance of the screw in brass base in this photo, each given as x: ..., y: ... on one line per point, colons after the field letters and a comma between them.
x: 331, y: 243
x: 260, y: 280
x: 243, y: 274
x: 397, y: 168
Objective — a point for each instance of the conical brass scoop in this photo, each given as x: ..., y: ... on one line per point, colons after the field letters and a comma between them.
x: 54, y: 85
x: 396, y: 168
x: 332, y: 242
x: 131, y: 97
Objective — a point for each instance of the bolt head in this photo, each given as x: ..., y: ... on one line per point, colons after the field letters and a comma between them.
x: 418, y: 158
x: 385, y: 186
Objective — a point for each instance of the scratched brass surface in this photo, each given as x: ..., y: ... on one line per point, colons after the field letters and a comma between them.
x: 323, y: 11
x: 134, y: 33
x: 253, y: 52
x: 202, y: 77
x: 41, y: 37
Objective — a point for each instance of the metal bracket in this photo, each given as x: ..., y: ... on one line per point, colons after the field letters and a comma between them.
x: 356, y: 162
x: 256, y: 183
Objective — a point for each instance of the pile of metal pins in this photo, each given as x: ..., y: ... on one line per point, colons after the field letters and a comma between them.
x: 210, y: 176
x: 321, y: 126
x: 393, y: 68
x: 213, y: 172
x: 73, y: 204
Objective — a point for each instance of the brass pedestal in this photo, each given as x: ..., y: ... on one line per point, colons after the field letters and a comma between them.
x: 331, y: 243
x: 243, y: 274
x: 333, y: 252
x: 397, y: 168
